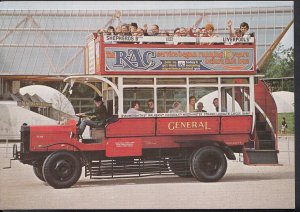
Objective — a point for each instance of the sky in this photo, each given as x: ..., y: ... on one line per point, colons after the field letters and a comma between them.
x: 287, y: 41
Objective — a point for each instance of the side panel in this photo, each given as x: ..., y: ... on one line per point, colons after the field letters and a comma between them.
x: 236, y: 124
x: 188, y: 126
x: 193, y: 140
x: 43, y: 138
x: 131, y: 127
x: 121, y: 147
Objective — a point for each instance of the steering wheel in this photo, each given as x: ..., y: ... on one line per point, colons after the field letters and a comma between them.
x: 82, y: 115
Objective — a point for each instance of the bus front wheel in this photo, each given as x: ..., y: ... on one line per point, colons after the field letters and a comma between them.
x: 62, y: 169
x: 208, y: 164
x: 38, y: 171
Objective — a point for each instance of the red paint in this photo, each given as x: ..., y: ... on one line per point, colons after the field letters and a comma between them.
x: 188, y: 126
x: 43, y: 138
x: 266, y: 102
x: 121, y: 147
x: 236, y: 124
x: 127, y: 127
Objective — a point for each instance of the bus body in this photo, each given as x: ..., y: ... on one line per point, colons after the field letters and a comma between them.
x: 187, y: 143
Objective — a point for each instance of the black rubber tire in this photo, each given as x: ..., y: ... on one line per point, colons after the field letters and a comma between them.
x: 209, y: 164
x: 62, y: 169
x: 181, y: 170
x: 38, y: 171
x: 190, y: 162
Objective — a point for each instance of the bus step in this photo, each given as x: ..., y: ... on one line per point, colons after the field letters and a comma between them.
x: 266, y: 144
x: 261, y: 157
x: 264, y: 135
x: 261, y: 125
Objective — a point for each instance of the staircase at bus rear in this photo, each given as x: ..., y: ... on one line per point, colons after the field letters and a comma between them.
x: 264, y: 150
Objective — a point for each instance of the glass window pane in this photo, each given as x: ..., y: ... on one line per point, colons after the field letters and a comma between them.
x: 203, y: 81
x: 166, y: 97
x: 235, y: 99
x: 138, y: 81
x: 205, y: 96
x: 140, y: 94
x: 168, y: 81
x: 235, y: 80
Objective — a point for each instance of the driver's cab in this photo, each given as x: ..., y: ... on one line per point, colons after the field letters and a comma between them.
x: 96, y: 134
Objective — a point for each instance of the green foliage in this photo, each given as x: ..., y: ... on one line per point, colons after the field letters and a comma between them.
x: 290, y: 120
x: 280, y: 64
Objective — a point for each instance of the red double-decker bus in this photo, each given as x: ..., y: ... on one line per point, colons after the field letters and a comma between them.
x: 186, y: 142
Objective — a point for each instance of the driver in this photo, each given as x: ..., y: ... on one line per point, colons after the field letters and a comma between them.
x: 99, y: 116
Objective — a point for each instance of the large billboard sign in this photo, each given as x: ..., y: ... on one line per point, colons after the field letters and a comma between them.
x: 126, y: 59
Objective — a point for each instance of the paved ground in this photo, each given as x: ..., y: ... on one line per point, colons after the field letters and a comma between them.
x: 241, y: 187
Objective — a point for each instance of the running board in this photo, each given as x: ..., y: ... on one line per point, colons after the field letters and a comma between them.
x: 260, y: 157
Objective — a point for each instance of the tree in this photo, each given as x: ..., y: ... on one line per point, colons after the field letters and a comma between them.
x: 280, y: 64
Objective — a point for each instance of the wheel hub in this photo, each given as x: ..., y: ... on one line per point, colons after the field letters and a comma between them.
x: 63, y: 168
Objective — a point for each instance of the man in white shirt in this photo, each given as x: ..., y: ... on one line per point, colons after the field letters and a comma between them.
x: 244, y: 27
x: 135, y: 106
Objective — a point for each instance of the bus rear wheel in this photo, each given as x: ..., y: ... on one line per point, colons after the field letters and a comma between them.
x: 208, y: 164
x: 62, y: 169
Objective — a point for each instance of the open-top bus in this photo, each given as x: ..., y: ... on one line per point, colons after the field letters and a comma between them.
x: 187, y: 143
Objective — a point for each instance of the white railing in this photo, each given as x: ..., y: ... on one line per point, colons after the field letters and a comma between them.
x: 286, y: 145
x: 175, y: 40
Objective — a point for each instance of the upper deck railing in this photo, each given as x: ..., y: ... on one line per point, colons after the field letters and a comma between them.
x: 177, y: 40
x: 169, y: 55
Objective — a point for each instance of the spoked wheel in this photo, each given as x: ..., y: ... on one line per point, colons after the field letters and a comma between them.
x: 39, y: 173
x: 208, y: 164
x: 180, y: 167
x: 62, y: 169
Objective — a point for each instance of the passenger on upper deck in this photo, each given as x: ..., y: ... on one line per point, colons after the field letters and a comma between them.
x: 201, y: 32
x: 154, y: 30
x: 138, y: 32
x: 118, y: 30
x: 125, y: 30
x: 244, y: 27
x: 133, y: 28
x: 209, y: 30
x: 176, y: 108
x: 182, y: 32
x: 237, y: 33
x: 110, y: 30
x: 135, y: 106
x: 176, y: 32
x: 165, y: 33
